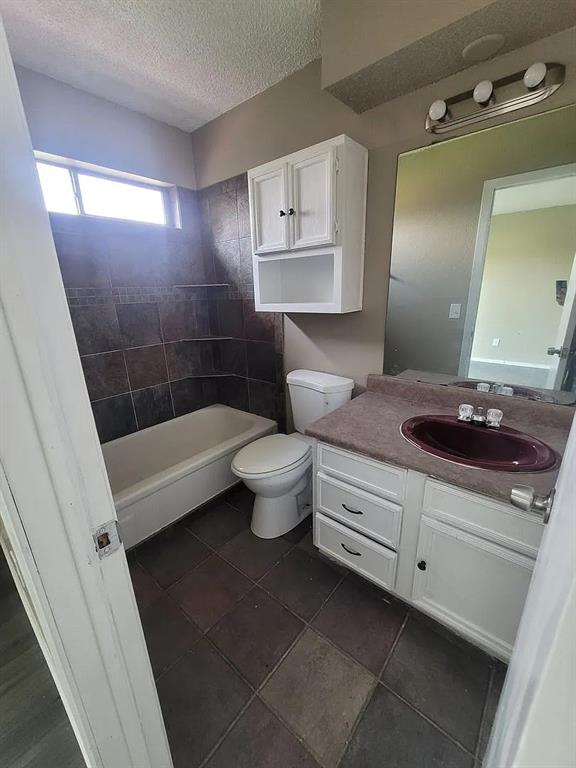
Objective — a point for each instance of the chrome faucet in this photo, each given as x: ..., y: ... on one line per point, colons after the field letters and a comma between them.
x: 476, y: 416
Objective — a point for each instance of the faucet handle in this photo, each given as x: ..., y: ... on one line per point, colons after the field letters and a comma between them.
x: 465, y: 412
x: 494, y: 417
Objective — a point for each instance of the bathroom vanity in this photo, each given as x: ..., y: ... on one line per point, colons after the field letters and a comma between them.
x: 439, y: 535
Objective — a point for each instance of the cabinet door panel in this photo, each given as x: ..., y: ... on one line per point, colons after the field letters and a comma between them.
x: 268, y: 211
x: 312, y: 222
x: 475, y: 586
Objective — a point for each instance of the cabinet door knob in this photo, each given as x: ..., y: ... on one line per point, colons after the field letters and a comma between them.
x: 282, y: 213
x: 422, y: 565
x: 291, y: 211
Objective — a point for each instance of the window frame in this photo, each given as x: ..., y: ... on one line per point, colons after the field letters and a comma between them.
x: 168, y: 191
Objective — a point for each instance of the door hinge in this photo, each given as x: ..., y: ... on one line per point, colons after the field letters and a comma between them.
x: 336, y: 226
x: 337, y: 164
x: 107, y: 538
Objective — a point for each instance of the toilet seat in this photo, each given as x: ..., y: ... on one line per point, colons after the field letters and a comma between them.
x: 271, y: 455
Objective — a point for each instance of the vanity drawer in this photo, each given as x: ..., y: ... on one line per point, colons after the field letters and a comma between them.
x: 359, y: 553
x: 500, y: 523
x: 371, y: 515
x: 374, y: 476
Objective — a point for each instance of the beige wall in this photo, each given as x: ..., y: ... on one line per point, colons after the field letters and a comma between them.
x: 438, y: 195
x: 526, y: 253
x: 358, y: 33
x: 296, y: 113
x: 72, y: 123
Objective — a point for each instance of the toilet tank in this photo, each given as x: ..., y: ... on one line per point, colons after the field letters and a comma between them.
x: 314, y: 394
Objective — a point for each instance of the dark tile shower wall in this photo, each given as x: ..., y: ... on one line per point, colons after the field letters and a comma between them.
x: 254, y: 351
x: 157, y: 337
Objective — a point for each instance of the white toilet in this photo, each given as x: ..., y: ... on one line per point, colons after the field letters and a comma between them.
x: 278, y: 468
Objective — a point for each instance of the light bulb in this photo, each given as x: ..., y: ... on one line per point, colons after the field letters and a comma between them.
x: 438, y: 110
x: 535, y: 75
x: 483, y: 92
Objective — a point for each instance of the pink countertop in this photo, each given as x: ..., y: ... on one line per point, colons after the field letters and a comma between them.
x: 370, y: 425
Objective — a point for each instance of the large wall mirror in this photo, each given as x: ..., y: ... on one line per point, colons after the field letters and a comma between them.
x: 483, y: 273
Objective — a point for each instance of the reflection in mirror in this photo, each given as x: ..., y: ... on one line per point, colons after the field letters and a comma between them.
x: 483, y: 273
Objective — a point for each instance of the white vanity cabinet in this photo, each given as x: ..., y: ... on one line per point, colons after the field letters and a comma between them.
x: 461, y: 557
x: 307, y: 217
x: 358, y: 512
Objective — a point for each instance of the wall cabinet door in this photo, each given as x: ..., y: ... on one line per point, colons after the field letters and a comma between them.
x: 311, y: 210
x: 269, y: 212
x: 473, y: 585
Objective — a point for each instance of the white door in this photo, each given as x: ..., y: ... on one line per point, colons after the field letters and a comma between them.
x: 534, y: 726
x: 561, y: 349
x: 269, y: 210
x: 486, y: 598
x: 54, y: 491
x: 311, y: 210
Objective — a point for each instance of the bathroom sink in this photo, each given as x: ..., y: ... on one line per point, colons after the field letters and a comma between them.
x: 504, y: 449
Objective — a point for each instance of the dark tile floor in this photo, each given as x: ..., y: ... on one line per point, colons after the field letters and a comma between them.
x: 268, y: 655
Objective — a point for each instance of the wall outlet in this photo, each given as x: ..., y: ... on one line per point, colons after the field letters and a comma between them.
x: 495, y: 342
x: 454, y: 313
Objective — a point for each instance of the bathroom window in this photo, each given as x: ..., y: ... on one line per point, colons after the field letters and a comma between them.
x: 79, y: 191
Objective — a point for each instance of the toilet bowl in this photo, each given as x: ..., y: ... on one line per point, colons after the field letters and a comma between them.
x: 278, y: 469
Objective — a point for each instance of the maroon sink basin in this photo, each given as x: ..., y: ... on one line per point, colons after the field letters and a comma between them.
x: 503, y: 449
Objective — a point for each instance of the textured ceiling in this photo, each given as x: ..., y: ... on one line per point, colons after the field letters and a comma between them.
x: 181, y: 61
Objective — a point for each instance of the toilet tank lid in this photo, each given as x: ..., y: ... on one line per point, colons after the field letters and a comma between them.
x: 321, y: 382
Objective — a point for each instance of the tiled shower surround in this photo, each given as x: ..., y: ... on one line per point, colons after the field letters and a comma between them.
x: 164, y: 318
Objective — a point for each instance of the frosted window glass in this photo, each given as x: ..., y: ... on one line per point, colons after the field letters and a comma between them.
x: 57, y: 188
x: 118, y: 200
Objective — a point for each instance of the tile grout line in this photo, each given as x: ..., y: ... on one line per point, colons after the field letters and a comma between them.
x: 377, y: 676
x: 427, y: 718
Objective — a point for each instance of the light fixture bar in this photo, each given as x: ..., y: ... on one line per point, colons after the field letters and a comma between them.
x: 555, y: 76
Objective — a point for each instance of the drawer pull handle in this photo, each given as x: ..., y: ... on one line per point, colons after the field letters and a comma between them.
x: 350, y: 551
x: 352, y: 511
x: 422, y: 565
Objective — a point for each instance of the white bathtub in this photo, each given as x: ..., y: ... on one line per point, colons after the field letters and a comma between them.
x: 159, y: 474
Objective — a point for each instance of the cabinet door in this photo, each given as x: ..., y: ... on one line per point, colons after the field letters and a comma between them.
x: 477, y: 587
x: 268, y: 210
x: 312, y: 200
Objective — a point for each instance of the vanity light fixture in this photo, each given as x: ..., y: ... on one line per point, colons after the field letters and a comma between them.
x: 540, y: 81
x: 438, y: 110
x: 483, y: 93
x: 535, y: 75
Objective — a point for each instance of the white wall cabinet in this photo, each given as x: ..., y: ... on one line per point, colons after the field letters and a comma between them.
x: 307, y: 215
x: 463, y: 558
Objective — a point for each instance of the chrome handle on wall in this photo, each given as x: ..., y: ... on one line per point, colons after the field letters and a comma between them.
x: 524, y: 497
x: 352, y: 511
x: 350, y: 551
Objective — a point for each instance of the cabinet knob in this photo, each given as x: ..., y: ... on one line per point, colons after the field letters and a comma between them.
x: 422, y: 565
x: 291, y: 211
x: 282, y: 213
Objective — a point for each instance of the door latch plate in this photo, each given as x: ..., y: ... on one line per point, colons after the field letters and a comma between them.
x: 107, y: 538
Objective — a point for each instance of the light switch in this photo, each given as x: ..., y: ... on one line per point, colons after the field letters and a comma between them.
x: 454, y: 312
x: 495, y: 342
